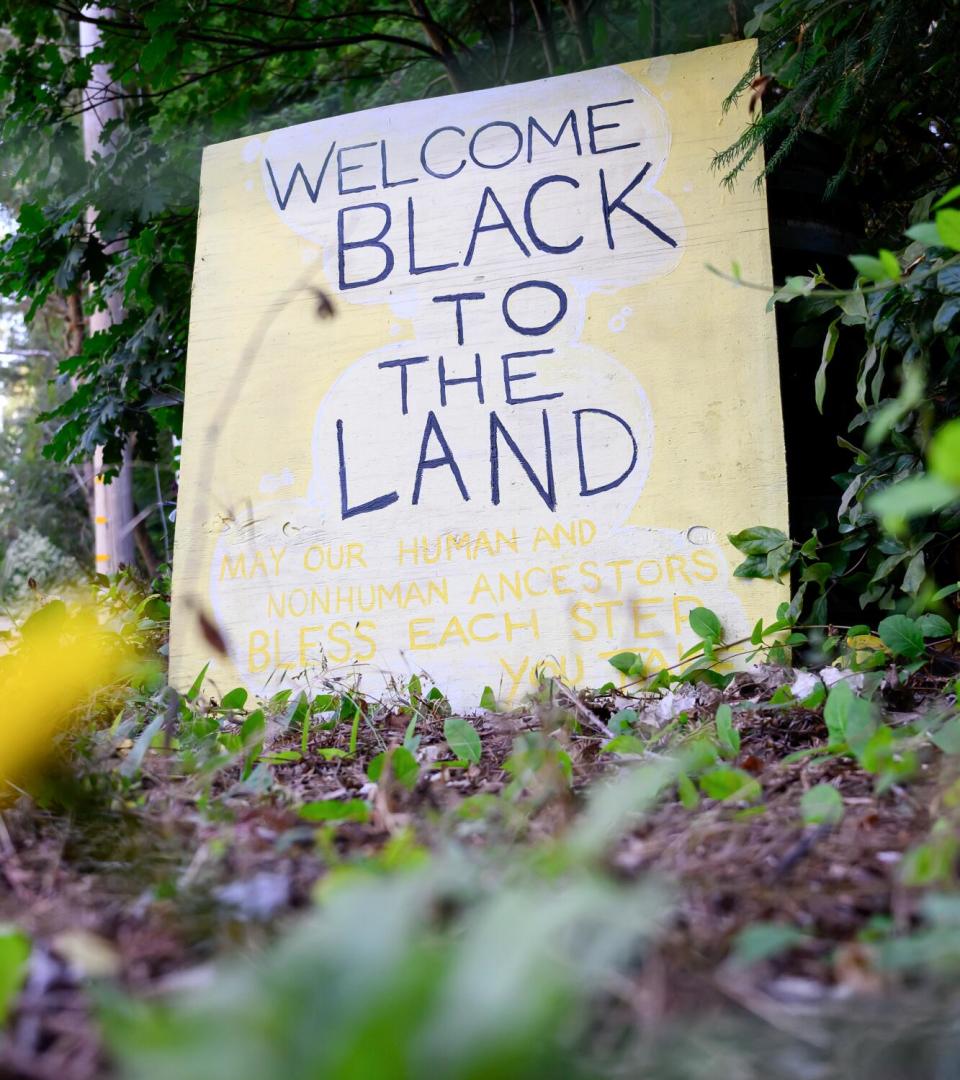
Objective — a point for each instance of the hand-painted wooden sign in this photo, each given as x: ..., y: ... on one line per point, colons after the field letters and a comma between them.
x: 520, y: 441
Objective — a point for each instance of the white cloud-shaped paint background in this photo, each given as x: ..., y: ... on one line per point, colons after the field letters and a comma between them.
x: 445, y: 210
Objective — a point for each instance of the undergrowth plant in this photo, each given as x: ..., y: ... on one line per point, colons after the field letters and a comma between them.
x: 898, y: 519
x: 871, y: 81
x: 494, y: 934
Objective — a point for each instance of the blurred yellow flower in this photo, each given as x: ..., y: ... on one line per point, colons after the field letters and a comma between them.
x: 61, y: 659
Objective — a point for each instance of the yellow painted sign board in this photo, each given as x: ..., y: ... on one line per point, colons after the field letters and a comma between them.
x: 520, y: 441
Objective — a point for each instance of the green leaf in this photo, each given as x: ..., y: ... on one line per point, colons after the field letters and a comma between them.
x: 914, y: 497
x: 943, y: 455
x: 945, y: 315
x: 625, y: 744
x: 948, y: 197
x: 31, y: 218
x: 696, y: 674
x: 902, y: 636
x: 157, y: 49
x: 687, y: 792
x: 411, y: 740
x: 487, y: 700
x: 934, y: 861
x: 810, y: 546
x: 622, y: 721
x: 698, y: 650
x: 51, y: 618
x: 854, y: 308
x: 624, y: 661
x: 890, y: 264
x: 297, y: 712
x: 727, y: 734
x: 14, y: 959
x: 234, y: 699
x: 281, y: 757
x: 883, y: 756
x: 948, y: 226
x: 829, y: 347
x: 136, y: 754
x: 934, y: 626
x: 404, y: 766
x: 819, y: 572
x: 761, y: 941
x: 194, y: 692
x: 821, y: 805
x: 462, y: 738
x: 948, y: 280
x: 253, y: 727
x: 330, y: 753
x: 913, y: 389
x: 349, y: 711
x: 794, y: 286
x: 761, y: 21
x: 335, y: 810
x: 792, y: 610
x: 947, y: 737
x: 305, y: 731
x: 753, y: 566
x: 758, y: 540
x: 816, y: 697
x: 915, y: 574
x: 160, y: 15
x: 926, y: 233
x: 705, y: 624
x: 849, y: 718
x: 871, y: 267
x: 947, y: 590
x: 726, y: 783
x: 779, y: 559
x: 660, y: 681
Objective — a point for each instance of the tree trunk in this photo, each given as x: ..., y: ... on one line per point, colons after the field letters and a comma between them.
x: 441, y: 44
x: 581, y: 29
x: 145, y: 547
x: 736, y: 31
x: 113, y: 502
x: 75, y: 328
x: 541, y: 12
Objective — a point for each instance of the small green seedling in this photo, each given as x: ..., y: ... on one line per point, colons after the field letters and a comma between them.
x: 462, y: 738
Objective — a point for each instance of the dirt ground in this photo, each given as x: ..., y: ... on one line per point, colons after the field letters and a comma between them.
x: 151, y: 884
